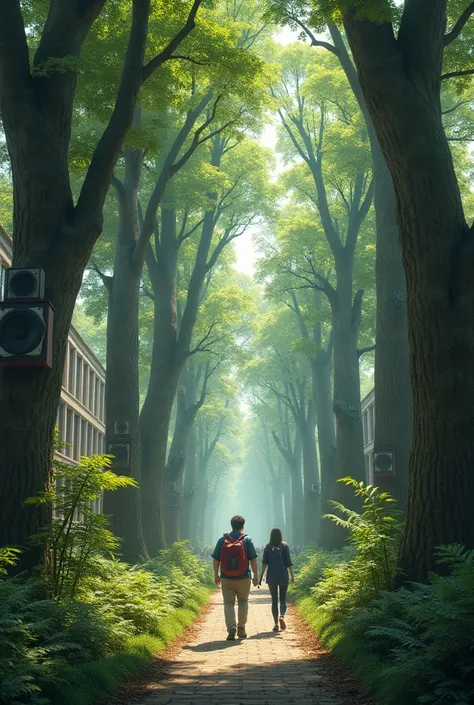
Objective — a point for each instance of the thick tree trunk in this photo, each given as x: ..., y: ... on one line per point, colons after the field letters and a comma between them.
x: 326, y: 439
x: 277, y: 502
x: 122, y: 376
x: 190, y: 484
x: 393, y: 401
x: 201, y: 509
x: 312, y: 498
x: 174, y: 472
x: 297, y: 501
x: 393, y: 398
x: 437, y: 255
x: 287, y: 503
x: 350, y: 459
x: 154, y: 425
x: 29, y: 397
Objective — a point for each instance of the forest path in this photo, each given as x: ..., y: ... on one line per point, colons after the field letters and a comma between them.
x: 267, y: 668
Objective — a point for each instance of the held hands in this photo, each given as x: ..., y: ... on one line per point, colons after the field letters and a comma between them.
x: 217, y: 580
x: 255, y: 581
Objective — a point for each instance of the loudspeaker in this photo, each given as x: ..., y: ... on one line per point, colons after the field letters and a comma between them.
x: 121, y: 451
x: 24, y: 284
x: 121, y: 428
x: 26, y: 334
x: 384, y: 463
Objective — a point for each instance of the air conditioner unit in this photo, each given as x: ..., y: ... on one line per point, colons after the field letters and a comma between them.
x: 384, y: 463
x: 122, y: 453
x: 26, y: 334
x: 121, y: 428
x: 24, y: 284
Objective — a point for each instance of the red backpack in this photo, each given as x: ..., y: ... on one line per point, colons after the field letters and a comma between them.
x: 234, y: 561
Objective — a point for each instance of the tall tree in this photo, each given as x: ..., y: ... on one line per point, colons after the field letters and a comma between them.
x: 393, y: 404
x: 50, y: 229
x: 399, y: 57
x: 237, y: 193
x: 315, y: 106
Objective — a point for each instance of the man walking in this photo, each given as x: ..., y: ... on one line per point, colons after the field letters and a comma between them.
x: 233, y: 553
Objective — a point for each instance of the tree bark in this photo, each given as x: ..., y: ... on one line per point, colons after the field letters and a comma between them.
x: 393, y: 399
x: 393, y: 396
x: 122, y: 377
x: 174, y: 472
x: 191, y: 471
x: 49, y: 230
x: 321, y: 368
x: 404, y: 103
x: 171, y: 349
x: 190, y: 483
x: 312, y: 498
x: 346, y: 313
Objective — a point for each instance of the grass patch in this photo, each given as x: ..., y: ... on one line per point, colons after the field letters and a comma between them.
x: 88, y: 683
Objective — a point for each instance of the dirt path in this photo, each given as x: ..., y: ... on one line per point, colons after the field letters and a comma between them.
x: 264, y: 669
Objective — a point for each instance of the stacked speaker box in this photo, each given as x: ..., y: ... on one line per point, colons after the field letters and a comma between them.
x: 120, y: 447
x: 26, y: 320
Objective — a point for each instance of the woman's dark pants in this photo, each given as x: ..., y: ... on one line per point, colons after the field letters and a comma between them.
x: 274, y: 589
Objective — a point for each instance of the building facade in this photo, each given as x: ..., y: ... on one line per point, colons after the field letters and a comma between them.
x: 81, y: 413
x: 368, y: 426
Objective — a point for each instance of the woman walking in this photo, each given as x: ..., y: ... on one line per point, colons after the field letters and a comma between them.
x: 277, y: 563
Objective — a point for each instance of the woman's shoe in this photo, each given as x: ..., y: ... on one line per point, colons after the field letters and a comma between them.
x: 282, y: 624
x: 276, y: 628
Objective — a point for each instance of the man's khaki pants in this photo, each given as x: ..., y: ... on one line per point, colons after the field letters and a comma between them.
x: 232, y: 589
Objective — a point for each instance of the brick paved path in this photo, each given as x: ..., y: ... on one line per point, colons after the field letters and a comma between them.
x: 264, y: 669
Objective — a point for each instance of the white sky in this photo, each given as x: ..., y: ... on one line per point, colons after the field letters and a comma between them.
x: 245, y: 251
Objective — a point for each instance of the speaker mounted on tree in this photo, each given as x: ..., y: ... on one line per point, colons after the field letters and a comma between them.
x: 122, y: 455
x: 121, y: 429
x: 24, y: 284
x: 384, y: 463
x: 26, y: 334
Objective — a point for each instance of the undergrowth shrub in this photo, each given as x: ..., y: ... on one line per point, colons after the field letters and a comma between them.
x: 411, y: 646
x: 69, y: 635
x: 424, y: 635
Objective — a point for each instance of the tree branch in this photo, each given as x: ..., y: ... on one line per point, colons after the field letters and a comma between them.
x: 459, y: 25
x: 362, y: 351
x: 314, y: 42
x: 457, y: 74
x: 169, y: 50
x: 106, y: 279
x: 14, y: 54
x: 98, y: 177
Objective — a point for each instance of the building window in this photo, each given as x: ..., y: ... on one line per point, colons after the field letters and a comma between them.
x: 89, y: 440
x: 90, y: 405
x: 72, y: 358
x: 77, y: 437
x: 371, y: 423
x: 84, y: 427
x: 85, y: 383
x: 97, y: 397
x: 61, y: 430
x: 79, y: 378
x: 102, y: 401
x: 101, y: 444
x: 69, y: 433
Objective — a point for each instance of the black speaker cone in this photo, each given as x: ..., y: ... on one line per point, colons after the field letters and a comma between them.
x: 21, y: 331
x: 23, y: 284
